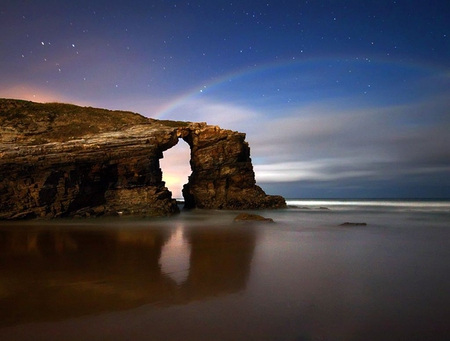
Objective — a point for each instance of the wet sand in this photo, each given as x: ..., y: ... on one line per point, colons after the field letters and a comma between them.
x: 198, y: 276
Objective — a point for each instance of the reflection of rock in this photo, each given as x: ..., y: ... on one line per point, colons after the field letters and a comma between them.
x: 55, y: 273
x: 220, y: 262
x: 77, y: 272
x: 251, y: 217
x: 63, y: 160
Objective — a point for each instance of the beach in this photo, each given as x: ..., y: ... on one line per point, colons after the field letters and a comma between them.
x: 200, y: 276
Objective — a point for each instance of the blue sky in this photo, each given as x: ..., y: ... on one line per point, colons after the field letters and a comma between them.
x: 338, y: 98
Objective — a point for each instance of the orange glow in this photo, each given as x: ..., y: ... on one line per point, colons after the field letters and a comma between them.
x: 176, y: 168
x: 32, y: 93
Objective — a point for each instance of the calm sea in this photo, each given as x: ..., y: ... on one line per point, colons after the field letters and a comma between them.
x: 199, y: 276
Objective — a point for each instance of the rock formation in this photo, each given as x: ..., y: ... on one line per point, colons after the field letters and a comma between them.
x: 353, y: 224
x: 247, y: 217
x: 60, y: 160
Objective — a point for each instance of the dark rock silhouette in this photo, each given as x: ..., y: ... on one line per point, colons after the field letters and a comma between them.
x: 247, y: 217
x: 60, y: 160
x: 353, y: 224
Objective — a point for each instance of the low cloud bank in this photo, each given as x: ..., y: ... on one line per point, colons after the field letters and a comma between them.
x: 385, y: 146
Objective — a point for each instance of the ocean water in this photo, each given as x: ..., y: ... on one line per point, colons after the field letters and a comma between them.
x: 199, y: 276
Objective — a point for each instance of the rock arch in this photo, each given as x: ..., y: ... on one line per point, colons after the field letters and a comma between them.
x: 222, y: 172
x: 116, y: 170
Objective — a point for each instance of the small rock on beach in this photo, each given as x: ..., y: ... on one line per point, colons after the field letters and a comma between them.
x: 353, y: 224
x: 251, y: 217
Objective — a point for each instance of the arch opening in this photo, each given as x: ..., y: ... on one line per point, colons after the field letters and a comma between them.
x: 175, y: 168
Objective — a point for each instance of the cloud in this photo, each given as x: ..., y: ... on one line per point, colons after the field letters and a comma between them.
x: 317, y: 170
x: 331, y: 144
x: 342, y: 169
x: 320, y: 143
x: 226, y: 115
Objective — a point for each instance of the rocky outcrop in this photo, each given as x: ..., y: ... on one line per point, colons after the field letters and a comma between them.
x: 60, y: 160
x: 353, y: 224
x: 222, y: 172
x: 247, y: 217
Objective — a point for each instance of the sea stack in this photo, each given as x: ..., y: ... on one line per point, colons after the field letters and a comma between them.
x: 62, y: 160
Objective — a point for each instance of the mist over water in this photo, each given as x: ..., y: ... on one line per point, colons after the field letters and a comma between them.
x: 199, y: 276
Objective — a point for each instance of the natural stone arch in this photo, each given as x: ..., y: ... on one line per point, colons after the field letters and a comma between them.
x: 52, y: 170
x: 222, y: 172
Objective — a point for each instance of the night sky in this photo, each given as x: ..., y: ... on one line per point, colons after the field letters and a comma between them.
x: 338, y: 98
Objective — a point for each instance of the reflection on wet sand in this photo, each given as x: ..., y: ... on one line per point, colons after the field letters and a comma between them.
x: 56, y: 273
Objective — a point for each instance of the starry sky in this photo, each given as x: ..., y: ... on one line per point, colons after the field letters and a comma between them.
x: 338, y: 99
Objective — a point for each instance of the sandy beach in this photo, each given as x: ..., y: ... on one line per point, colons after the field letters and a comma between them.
x: 199, y: 276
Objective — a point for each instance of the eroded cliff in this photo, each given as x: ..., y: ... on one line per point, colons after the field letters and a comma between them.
x: 60, y: 160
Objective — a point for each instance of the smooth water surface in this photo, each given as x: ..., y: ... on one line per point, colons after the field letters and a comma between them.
x: 199, y: 276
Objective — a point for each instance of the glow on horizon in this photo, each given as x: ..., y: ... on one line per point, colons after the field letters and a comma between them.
x: 176, y: 168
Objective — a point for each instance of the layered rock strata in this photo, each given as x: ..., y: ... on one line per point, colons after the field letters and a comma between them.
x: 60, y: 160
